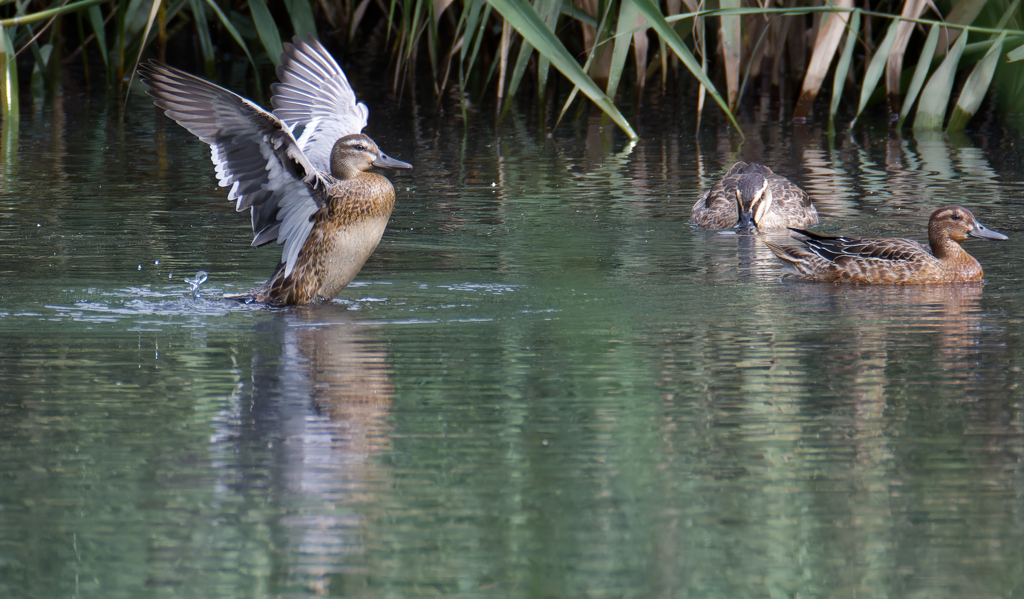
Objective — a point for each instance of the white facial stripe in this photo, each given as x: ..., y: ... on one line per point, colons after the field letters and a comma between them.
x: 765, y: 205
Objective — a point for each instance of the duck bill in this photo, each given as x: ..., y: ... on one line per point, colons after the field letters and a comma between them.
x: 746, y: 222
x: 746, y: 217
x: 385, y: 161
x: 980, y: 230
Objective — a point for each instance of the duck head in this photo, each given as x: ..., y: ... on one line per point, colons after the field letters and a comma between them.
x: 356, y: 153
x: 758, y: 201
x: 957, y: 223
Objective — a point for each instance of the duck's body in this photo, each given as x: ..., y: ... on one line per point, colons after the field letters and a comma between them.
x: 311, y: 194
x: 753, y: 195
x: 891, y: 261
x: 343, y: 237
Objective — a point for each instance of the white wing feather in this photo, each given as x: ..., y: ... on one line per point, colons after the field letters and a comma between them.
x: 314, y: 94
x: 254, y: 153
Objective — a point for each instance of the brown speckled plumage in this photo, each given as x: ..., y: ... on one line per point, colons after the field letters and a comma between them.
x: 345, y: 233
x: 891, y: 261
x: 751, y: 194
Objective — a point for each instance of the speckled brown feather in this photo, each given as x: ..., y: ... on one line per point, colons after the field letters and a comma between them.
x: 716, y: 208
x: 891, y: 261
x: 344, y: 235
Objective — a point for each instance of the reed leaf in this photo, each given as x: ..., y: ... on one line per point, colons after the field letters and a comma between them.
x: 920, y: 72
x: 623, y: 36
x: 592, y: 54
x: 471, y: 27
x: 522, y: 60
x: 475, y: 28
x: 640, y: 47
x: 843, y: 66
x: 875, y: 67
x: 1015, y: 54
x: 154, y: 10
x: 37, y: 85
x: 912, y: 9
x: 526, y: 50
x: 524, y: 18
x: 226, y: 22
x: 732, y: 45
x: 8, y: 142
x: 356, y: 19
x: 963, y: 12
x: 301, y: 14
x: 550, y: 10
x: 578, y: 14
x: 1008, y: 14
x: 978, y: 81
x: 96, y: 20
x: 976, y: 87
x: 412, y: 16
x: 9, y: 107
x: 45, y: 15
x: 203, y: 33
x: 40, y: 62
x: 503, y: 48
x: 119, y: 41
x: 702, y: 91
x: 439, y: 7
x: 233, y: 32
x: 699, y: 45
x: 667, y: 33
x: 825, y: 46
x: 932, y: 107
x: 266, y: 28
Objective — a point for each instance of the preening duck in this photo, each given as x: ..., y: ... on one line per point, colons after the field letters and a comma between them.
x: 752, y: 195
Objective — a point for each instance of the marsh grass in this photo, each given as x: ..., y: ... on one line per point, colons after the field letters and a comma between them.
x: 932, y: 63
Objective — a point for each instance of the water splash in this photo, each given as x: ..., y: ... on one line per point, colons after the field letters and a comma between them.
x: 194, y: 284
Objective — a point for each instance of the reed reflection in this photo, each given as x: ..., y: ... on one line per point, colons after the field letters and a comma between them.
x: 849, y: 173
x: 9, y: 150
x: 323, y: 404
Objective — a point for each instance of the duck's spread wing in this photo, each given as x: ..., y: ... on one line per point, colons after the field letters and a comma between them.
x: 835, y: 249
x: 315, y: 94
x: 254, y: 153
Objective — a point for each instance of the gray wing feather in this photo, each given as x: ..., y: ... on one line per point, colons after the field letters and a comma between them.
x: 315, y: 94
x: 253, y: 152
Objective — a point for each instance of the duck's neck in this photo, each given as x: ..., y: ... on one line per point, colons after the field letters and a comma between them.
x: 946, y: 248
x: 342, y: 170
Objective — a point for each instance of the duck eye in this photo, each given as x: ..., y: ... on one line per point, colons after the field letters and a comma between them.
x: 955, y: 216
x: 360, y: 147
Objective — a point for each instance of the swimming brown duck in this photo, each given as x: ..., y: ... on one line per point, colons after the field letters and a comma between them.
x: 312, y: 194
x: 751, y: 195
x: 892, y: 261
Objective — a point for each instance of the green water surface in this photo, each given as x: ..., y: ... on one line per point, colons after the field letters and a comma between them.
x: 543, y: 384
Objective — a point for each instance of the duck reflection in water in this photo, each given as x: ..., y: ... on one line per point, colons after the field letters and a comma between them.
x: 312, y: 194
x: 753, y: 196
x: 893, y: 261
x: 321, y: 399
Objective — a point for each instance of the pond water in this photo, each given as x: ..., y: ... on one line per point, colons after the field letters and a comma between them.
x: 543, y: 384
